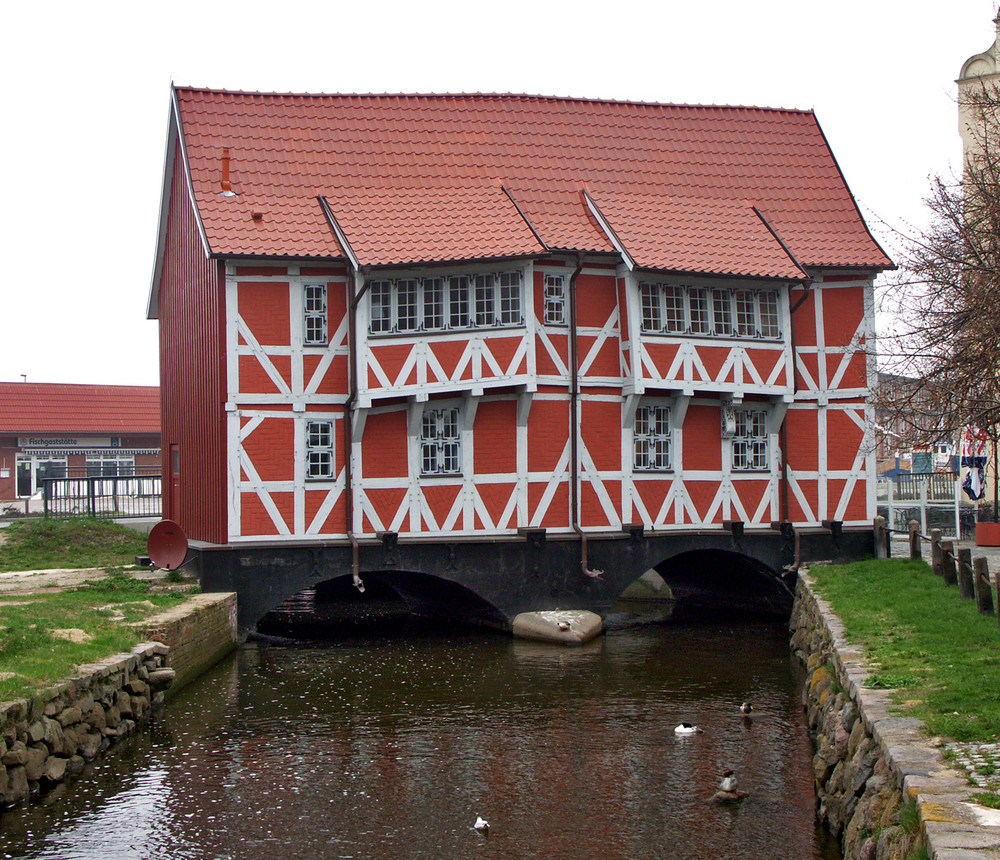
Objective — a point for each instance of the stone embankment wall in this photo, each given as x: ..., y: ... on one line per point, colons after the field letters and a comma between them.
x: 54, y: 734
x: 859, y: 789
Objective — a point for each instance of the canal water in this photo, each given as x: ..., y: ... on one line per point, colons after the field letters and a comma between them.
x: 391, y: 748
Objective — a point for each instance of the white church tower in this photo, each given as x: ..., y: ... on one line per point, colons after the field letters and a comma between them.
x: 979, y: 71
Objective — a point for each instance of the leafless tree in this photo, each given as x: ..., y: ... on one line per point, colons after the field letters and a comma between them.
x: 945, y: 298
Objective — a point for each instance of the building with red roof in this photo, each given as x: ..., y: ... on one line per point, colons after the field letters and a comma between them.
x: 471, y: 317
x: 52, y: 430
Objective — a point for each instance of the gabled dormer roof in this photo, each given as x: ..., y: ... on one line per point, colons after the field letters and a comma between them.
x: 419, y: 178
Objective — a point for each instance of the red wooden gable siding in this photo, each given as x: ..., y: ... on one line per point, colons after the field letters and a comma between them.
x: 192, y: 367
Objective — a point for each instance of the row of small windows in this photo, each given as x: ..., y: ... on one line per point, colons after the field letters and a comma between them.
x: 652, y: 442
x: 485, y: 300
x: 676, y: 309
x: 494, y: 300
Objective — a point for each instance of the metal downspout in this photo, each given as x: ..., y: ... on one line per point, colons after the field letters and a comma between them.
x: 795, y: 390
x: 352, y: 344
x: 574, y: 399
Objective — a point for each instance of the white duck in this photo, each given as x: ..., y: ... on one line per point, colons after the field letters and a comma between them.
x: 687, y: 729
x: 482, y: 825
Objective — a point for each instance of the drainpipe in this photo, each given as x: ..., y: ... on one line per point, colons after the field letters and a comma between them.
x: 574, y: 399
x: 795, y: 388
x: 352, y: 344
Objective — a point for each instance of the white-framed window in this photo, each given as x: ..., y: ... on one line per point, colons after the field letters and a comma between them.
x: 314, y: 314
x: 33, y: 469
x: 555, y: 299
x: 110, y: 465
x: 652, y: 439
x: 381, y: 306
x: 701, y: 321
x: 463, y: 301
x: 750, y: 441
x: 718, y: 311
x: 652, y: 316
x: 722, y: 312
x: 320, y: 460
x: 440, y: 442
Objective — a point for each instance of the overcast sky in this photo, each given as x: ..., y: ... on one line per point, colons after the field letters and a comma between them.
x: 87, y: 90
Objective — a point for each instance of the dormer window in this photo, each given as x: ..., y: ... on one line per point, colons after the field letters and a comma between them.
x: 455, y: 302
x: 676, y: 309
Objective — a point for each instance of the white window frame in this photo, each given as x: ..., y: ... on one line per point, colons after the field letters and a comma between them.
x: 406, y: 303
x: 314, y: 315
x: 652, y: 438
x: 441, y: 442
x: 33, y: 462
x: 321, y: 460
x: 751, y: 441
x: 124, y: 465
x: 554, y: 299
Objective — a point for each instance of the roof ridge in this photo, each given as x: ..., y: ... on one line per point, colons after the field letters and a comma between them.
x: 497, y: 96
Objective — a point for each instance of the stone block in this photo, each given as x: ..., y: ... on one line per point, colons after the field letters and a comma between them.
x: 16, y: 755
x: 69, y: 716
x: 54, y: 738
x: 55, y: 768
x: 90, y: 745
x: 34, y: 767
x: 17, y: 786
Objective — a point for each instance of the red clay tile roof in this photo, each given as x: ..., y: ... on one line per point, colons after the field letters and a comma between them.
x: 691, y: 234
x: 416, y: 178
x: 35, y: 407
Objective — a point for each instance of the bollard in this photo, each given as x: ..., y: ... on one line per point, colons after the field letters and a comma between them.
x: 936, y: 552
x: 984, y: 594
x: 913, y: 527
x: 948, y: 563
x: 966, y: 582
x: 882, y: 538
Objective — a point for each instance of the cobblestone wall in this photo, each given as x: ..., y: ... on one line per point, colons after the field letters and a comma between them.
x: 859, y: 791
x: 53, y: 735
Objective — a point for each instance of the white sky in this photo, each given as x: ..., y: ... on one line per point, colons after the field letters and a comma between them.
x: 87, y: 87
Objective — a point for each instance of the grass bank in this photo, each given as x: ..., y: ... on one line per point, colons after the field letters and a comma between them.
x: 44, y: 637
x: 42, y: 544
x: 934, y: 649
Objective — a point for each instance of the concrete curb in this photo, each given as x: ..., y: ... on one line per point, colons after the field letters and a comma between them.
x: 953, y: 825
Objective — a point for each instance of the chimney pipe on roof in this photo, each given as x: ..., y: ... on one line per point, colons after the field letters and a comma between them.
x: 226, y: 186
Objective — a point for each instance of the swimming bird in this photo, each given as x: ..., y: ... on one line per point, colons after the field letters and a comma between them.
x: 687, y: 729
x: 728, y: 792
x: 482, y: 825
x: 746, y: 709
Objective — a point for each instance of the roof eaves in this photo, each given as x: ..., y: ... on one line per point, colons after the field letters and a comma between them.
x: 891, y: 266
x: 175, y: 134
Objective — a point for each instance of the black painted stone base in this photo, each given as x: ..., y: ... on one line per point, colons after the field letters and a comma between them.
x: 488, y: 582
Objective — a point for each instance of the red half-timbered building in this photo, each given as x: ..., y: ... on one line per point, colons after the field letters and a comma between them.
x: 458, y: 317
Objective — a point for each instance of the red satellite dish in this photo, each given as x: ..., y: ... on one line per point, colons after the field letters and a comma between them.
x: 167, y: 546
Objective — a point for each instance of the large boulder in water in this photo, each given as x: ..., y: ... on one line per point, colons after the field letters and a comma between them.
x: 565, y: 626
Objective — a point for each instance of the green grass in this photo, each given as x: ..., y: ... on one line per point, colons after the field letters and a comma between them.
x: 33, y: 656
x: 40, y: 544
x: 935, y: 650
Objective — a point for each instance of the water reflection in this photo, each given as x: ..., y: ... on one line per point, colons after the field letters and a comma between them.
x: 392, y: 748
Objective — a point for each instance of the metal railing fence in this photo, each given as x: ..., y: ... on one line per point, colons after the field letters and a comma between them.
x: 103, y: 496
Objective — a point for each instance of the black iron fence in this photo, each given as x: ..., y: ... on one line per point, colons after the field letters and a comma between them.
x: 103, y: 496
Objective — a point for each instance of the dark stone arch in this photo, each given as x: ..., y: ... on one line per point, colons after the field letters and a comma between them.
x: 719, y: 580
x: 390, y: 601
